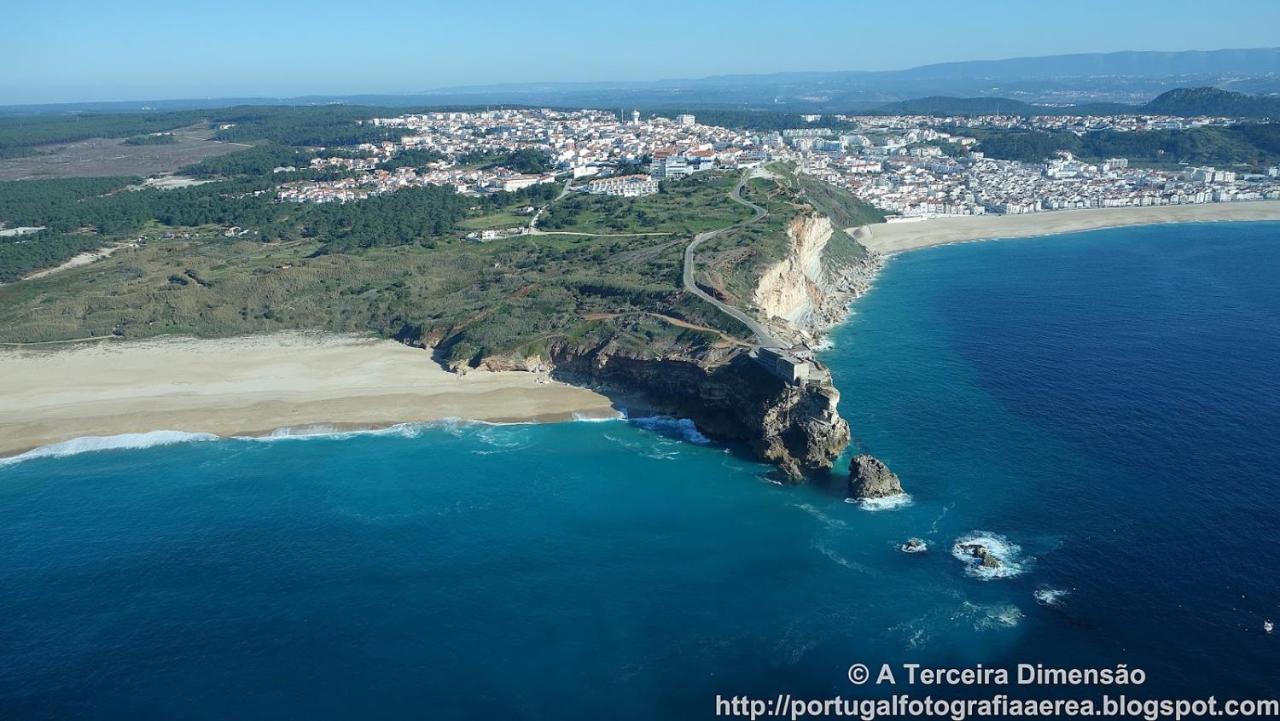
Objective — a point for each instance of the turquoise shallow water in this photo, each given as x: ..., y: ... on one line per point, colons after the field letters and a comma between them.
x: 1107, y: 403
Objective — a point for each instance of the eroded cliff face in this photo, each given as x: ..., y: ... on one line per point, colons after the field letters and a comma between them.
x: 723, y: 389
x: 792, y: 289
x: 728, y: 395
x: 807, y: 292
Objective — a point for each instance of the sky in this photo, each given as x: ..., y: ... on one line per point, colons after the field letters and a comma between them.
x: 91, y: 50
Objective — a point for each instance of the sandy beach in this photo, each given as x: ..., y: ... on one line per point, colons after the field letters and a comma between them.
x: 899, y: 237
x: 252, y: 386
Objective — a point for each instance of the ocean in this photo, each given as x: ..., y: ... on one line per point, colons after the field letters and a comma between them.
x: 1102, y: 409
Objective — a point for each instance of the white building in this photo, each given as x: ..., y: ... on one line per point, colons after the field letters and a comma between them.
x: 686, y: 120
x: 625, y: 186
x: 672, y: 166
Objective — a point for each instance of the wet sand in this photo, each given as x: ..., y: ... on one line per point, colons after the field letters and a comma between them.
x: 254, y: 385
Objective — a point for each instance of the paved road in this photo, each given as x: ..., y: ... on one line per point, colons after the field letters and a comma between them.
x: 763, y: 337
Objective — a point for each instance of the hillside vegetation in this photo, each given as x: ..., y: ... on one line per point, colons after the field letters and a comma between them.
x: 1213, y: 101
x: 1249, y: 144
x: 398, y: 265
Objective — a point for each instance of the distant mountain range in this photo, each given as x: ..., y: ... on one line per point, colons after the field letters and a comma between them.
x: 1124, y: 77
x: 1099, y: 82
x: 1179, y: 101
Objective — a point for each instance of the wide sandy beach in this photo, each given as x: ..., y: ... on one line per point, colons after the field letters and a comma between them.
x: 899, y: 237
x: 252, y: 386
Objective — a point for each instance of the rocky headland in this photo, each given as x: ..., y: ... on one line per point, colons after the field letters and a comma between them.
x: 737, y: 392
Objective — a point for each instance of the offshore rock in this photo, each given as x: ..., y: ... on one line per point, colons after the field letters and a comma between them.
x: 986, y: 558
x: 870, y: 478
x: 915, y: 545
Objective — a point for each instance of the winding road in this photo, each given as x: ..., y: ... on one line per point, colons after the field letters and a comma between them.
x: 763, y: 337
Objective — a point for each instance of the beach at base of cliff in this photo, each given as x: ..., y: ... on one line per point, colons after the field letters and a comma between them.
x: 256, y: 385
x: 899, y: 237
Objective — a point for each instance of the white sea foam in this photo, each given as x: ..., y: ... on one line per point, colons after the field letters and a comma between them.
x: 1012, y: 562
x: 919, y: 632
x: 89, y: 444
x: 1049, y: 596
x: 680, y: 427
x: 888, y: 503
x: 324, y: 431
x: 580, y: 418
x: 922, y: 547
x: 819, y: 514
x: 840, y: 560
x: 933, y: 527
x: 986, y: 617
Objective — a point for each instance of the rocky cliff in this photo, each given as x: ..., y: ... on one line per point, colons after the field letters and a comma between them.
x: 809, y: 291
x: 728, y: 395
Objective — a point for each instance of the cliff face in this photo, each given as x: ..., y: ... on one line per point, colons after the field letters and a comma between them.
x: 792, y: 290
x: 808, y: 292
x: 729, y: 397
x: 722, y: 387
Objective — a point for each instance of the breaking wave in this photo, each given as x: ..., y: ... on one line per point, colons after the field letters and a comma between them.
x: 888, y: 503
x: 679, y: 428
x: 90, y: 444
x: 1012, y: 562
x: 484, y: 431
x: 583, y: 418
x: 321, y: 430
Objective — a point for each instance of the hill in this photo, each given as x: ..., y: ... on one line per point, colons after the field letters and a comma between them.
x: 943, y: 105
x: 1213, y: 101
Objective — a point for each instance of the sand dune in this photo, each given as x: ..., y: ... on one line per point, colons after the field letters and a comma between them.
x: 899, y: 237
x: 249, y: 386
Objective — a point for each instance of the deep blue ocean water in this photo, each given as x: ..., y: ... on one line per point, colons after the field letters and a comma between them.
x: 1105, y: 407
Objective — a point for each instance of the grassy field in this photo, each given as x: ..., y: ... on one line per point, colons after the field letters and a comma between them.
x: 97, y: 157
x: 494, y: 220
x: 667, y: 211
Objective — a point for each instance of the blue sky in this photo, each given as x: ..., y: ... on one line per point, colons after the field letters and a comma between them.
x: 82, y: 50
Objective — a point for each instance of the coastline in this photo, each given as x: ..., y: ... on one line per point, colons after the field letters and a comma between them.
x: 891, y: 238
x: 255, y: 385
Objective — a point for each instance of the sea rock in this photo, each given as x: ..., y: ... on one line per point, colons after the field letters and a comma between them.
x: 871, y: 478
x: 915, y: 545
x: 985, y: 557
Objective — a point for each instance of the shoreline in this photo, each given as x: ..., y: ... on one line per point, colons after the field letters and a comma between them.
x: 259, y: 386
x: 893, y: 238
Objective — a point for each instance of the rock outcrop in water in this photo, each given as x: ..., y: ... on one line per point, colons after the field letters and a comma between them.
x: 986, y: 559
x: 870, y: 478
x: 915, y: 545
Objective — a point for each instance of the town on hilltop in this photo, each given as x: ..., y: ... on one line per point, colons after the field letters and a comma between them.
x: 910, y: 166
